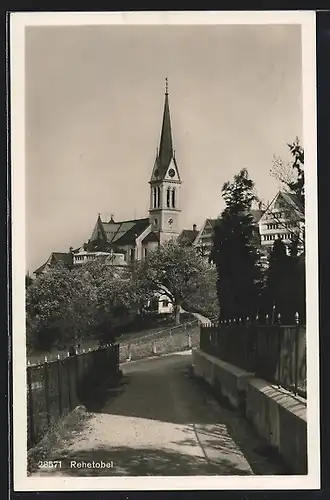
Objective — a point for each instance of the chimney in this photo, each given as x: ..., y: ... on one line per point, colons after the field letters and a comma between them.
x: 260, y: 205
x: 194, y: 227
x: 71, y: 249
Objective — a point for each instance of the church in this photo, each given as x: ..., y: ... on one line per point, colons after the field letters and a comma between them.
x: 131, y: 240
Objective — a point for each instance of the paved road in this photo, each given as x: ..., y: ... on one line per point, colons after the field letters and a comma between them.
x: 161, y: 422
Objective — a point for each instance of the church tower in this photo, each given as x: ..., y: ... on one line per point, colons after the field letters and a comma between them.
x: 165, y: 183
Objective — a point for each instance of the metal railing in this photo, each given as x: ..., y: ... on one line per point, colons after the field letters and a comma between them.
x: 55, y: 388
x: 276, y: 353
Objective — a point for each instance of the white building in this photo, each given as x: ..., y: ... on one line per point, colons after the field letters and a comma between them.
x: 283, y: 219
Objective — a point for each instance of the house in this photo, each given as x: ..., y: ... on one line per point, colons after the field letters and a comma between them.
x: 284, y: 219
x: 188, y: 236
x: 53, y: 260
x: 204, y: 239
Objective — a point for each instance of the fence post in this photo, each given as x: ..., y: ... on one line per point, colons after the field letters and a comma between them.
x: 189, y: 340
x: 279, y: 346
x: 59, y: 384
x: 129, y: 353
x: 296, y: 366
x: 69, y: 381
x: 30, y: 404
x: 154, y: 348
x: 46, y: 388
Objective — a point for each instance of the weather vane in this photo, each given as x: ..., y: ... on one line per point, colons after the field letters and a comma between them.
x: 166, y: 86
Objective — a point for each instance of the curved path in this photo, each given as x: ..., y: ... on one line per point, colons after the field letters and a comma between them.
x: 162, y: 422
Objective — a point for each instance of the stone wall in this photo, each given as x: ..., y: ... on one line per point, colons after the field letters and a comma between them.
x: 279, y: 416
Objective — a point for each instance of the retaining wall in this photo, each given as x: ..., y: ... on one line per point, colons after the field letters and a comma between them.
x: 279, y: 416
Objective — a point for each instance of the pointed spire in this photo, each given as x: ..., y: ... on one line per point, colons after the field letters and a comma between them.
x: 166, y: 145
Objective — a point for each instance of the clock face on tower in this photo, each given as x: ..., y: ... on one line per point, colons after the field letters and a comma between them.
x: 171, y: 172
x: 156, y: 172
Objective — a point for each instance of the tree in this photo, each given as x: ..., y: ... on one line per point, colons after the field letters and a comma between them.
x: 173, y: 270
x: 234, y: 251
x: 205, y: 300
x: 292, y: 175
x: 65, y: 305
x: 57, y: 308
x: 277, y: 281
x: 114, y: 295
x: 285, y: 288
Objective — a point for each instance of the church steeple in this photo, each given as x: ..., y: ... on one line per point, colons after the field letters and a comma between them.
x: 165, y: 182
x: 165, y: 154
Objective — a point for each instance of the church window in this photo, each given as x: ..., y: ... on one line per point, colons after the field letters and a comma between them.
x: 168, y: 193
x: 154, y: 195
x: 173, y: 198
x: 145, y: 252
x: 132, y: 253
x: 158, y: 196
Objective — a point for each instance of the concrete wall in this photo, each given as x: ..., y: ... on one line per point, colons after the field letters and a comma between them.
x: 278, y: 416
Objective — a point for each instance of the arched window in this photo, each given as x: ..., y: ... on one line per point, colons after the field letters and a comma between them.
x: 173, y: 198
x: 168, y: 193
x: 158, y: 196
x: 154, y: 195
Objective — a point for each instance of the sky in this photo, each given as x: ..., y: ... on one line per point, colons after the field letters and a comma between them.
x: 94, y: 101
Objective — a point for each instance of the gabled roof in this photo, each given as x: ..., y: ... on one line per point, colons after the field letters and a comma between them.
x: 128, y: 231
x: 289, y: 200
x: 188, y: 235
x: 151, y: 238
x: 256, y: 214
x: 212, y: 222
x: 115, y: 234
x: 293, y: 200
x: 55, y: 258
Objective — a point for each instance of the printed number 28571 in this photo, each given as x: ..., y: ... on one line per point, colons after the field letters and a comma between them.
x: 49, y: 464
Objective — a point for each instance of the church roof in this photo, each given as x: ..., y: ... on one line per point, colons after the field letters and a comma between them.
x: 128, y: 231
x: 151, y: 237
x: 115, y: 234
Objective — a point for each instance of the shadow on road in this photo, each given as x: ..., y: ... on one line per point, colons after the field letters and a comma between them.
x: 173, y: 395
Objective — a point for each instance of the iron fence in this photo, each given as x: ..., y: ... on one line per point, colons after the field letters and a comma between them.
x: 54, y: 388
x: 276, y: 353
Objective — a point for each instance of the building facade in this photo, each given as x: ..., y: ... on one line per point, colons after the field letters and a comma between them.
x: 283, y: 219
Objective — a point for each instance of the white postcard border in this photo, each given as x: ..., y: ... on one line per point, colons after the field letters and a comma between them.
x: 18, y: 22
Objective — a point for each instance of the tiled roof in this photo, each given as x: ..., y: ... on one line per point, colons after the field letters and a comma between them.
x: 189, y: 235
x: 129, y: 231
x: 256, y: 214
x: 151, y: 237
x: 293, y: 200
x: 54, y: 258
x: 41, y: 268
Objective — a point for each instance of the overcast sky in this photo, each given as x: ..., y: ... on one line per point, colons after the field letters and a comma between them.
x: 94, y: 103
